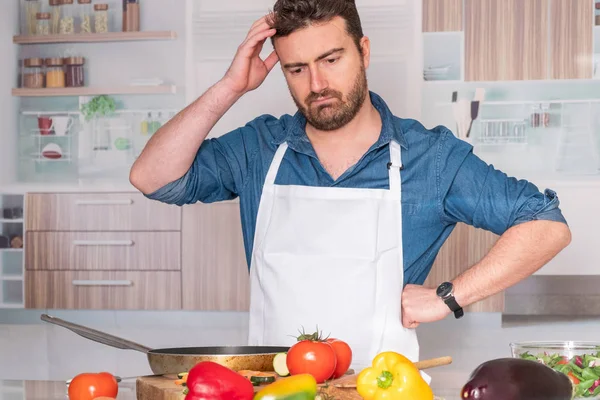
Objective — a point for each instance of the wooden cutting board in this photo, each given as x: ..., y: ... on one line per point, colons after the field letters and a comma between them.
x: 164, y: 388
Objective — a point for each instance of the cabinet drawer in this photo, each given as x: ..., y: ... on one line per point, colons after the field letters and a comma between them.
x: 118, y: 251
x: 103, y: 290
x: 99, y: 212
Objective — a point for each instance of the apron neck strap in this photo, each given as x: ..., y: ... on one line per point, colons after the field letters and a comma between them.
x: 272, y: 174
x: 394, y: 167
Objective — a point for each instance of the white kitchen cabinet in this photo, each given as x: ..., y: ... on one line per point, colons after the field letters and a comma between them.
x: 579, y: 204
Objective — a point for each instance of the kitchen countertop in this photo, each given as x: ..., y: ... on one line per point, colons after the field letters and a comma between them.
x: 57, y: 390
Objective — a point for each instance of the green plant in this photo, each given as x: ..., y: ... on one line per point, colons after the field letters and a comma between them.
x: 99, y: 106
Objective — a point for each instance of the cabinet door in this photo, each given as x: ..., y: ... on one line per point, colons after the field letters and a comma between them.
x: 214, y: 270
x: 465, y: 247
x: 442, y: 15
x: 506, y: 40
x: 571, y: 39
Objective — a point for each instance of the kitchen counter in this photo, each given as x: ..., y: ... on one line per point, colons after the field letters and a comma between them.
x: 91, y: 186
x: 57, y: 390
x: 52, y: 390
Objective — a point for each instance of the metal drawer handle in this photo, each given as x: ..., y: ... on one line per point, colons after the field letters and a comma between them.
x: 103, y: 242
x: 101, y: 283
x: 104, y: 202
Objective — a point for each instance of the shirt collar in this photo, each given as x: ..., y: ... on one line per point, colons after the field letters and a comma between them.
x: 296, y: 138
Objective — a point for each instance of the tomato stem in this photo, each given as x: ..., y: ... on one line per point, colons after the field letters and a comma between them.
x: 385, y: 380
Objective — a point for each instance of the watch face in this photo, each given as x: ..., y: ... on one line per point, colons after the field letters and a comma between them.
x: 444, y: 289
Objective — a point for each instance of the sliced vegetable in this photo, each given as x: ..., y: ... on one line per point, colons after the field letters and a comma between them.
x: 209, y: 380
x: 392, y: 377
x: 182, y: 375
x: 261, y: 380
x: 582, y: 370
x: 280, y: 364
x: 298, y: 387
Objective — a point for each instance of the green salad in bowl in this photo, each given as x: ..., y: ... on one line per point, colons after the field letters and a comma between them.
x: 580, y: 361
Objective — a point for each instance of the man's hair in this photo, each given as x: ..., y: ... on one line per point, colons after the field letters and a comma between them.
x: 289, y: 16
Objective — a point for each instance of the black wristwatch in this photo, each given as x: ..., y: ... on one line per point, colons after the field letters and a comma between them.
x: 446, y: 292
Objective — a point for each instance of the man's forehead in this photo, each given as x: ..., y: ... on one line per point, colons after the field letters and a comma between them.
x: 311, y: 42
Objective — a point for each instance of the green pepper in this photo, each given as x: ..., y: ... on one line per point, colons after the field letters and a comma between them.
x: 296, y: 387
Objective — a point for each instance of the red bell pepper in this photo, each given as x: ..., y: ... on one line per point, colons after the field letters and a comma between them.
x: 211, y: 381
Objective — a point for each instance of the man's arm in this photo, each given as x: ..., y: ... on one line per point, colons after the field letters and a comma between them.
x: 171, y: 151
x: 518, y: 253
x: 531, y: 226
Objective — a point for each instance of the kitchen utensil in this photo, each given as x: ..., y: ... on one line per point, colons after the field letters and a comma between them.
x: 474, y: 114
x: 52, y: 151
x: 45, y: 125
x: 61, y: 125
x: 181, y: 359
x: 456, y: 112
x: 349, y: 381
x: 464, y: 106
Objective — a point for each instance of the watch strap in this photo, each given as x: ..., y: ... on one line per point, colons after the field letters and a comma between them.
x: 454, y: 306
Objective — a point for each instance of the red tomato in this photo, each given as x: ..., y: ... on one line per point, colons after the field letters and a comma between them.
x: 313, y: 357
x: 89, y: 386
x: 343, y: 356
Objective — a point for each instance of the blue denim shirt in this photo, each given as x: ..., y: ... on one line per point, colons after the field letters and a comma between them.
x: 443, y: 182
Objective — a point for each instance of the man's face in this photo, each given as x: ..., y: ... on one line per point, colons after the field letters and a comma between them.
x: 325, y: 73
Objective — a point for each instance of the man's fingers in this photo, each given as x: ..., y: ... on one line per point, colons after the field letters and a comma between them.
x: 271, y: 60
x: 249, y: 47
x: 259, y: 25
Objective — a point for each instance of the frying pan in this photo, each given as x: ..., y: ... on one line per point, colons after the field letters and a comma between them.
x: 182, y: 359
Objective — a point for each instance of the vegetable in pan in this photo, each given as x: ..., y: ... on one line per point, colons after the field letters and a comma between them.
x: 583, y: 370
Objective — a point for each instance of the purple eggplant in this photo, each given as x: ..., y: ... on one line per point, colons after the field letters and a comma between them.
x: 516, y: 379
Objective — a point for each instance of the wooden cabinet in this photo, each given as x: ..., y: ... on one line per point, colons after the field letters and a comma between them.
x: 121, y: 251
x: 571, y: 39
x: 506, y: 40
x: 99, y: 212
x: 465, y: 247
x: 528, y: 40
x: 103, y: 290
x: 214, y: 268
x: 101, y: 251
x: 442, y: 15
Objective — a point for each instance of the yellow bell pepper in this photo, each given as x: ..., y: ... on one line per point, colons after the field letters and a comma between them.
x: 392, y: 376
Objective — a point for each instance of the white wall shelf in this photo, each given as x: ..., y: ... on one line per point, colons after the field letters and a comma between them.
x: 12, y: 265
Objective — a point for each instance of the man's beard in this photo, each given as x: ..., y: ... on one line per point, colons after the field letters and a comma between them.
x: 337, y: 113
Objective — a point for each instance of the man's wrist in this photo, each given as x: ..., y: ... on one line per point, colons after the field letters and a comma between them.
x: 445, y: 291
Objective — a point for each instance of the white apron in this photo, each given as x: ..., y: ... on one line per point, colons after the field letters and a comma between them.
x: 330, y: 258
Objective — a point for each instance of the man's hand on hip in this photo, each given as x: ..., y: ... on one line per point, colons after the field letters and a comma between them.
x: 421, y: 304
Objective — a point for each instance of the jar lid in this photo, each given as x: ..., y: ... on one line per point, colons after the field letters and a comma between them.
x: 33, y: 62
x: 67, y: 1
x: 42, y: 16
x: 100, y: 7
x: 54, y: 61
x: 55, y: 2
x: 84, y: 1
x: 74, y: 61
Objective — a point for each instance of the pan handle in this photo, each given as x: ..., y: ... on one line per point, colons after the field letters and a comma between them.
x: 96, y: 336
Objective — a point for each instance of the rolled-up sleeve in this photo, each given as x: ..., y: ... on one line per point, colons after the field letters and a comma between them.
x: 219, y: 171
x: 478, y: 194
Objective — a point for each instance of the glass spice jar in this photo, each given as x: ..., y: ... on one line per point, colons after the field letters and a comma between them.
x: 101, y: 18
x: 67, y: 19
x: 55, y: 73
x: 42, y: 26
x: 85, y: 16
x: 32, y: 76
x: 75, y: 76
x: 30, y: 11
x: 55, y: 9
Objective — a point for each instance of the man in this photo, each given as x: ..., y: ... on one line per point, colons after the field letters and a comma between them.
x: 344, y: 206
